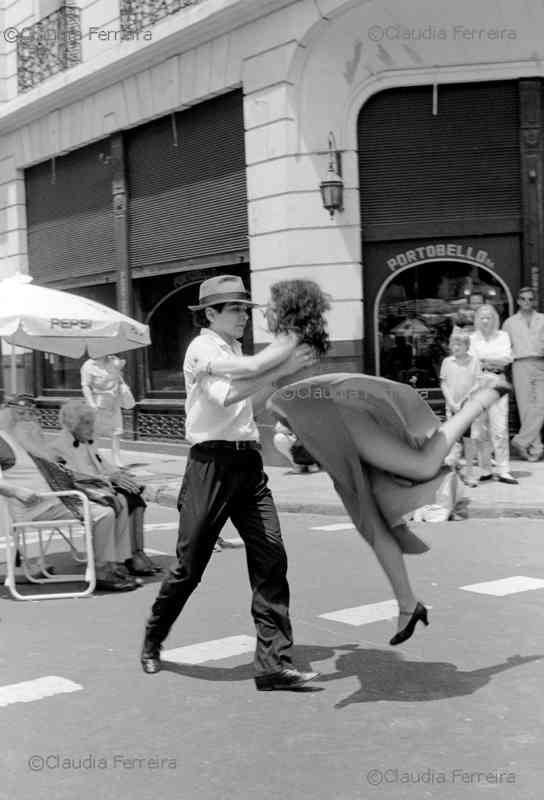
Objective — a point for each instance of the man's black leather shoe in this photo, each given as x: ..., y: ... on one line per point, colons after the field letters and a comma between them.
x: 150, y: 657
x: 286, y: 679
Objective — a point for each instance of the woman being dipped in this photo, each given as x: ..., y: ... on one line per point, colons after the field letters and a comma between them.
x: 378, y: 440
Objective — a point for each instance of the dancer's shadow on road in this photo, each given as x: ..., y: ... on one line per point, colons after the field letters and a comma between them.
x: 387, y: 676
x: 383, y: 675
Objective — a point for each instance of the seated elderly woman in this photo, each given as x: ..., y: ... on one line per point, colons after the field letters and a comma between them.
x: 29, y: 469
x: 75, y: 445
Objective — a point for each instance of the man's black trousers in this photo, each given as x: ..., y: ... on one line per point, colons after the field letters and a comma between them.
x: 219, y: 484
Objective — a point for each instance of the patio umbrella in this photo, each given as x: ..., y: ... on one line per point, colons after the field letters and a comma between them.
x: 58, y: 322
x: 55, y: 321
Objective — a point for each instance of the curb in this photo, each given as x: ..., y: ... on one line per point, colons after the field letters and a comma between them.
x: 163, y: 497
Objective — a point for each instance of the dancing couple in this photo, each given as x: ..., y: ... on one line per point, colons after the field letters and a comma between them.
x: 378, y: 440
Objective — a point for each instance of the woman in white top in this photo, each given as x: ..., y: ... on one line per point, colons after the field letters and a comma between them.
x: 102, y: 385
x: 493, y: 349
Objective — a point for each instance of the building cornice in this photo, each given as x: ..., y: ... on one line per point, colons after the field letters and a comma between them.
x: 131, y: 58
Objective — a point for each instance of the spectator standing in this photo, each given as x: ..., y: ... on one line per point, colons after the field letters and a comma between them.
x: 526, y: 332
x: 459, y: 376
x: 492, y: 347
x: 106, y: 392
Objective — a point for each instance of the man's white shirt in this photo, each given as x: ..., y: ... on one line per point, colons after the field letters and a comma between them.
x: 206, y: 416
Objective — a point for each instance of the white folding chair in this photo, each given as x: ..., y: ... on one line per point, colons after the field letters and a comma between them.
x: 20, y: 535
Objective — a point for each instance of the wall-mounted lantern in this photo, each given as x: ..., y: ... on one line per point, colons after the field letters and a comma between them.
x: 332, y: 187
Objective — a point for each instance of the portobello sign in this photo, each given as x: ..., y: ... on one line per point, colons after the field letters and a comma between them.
x: 447, y: 250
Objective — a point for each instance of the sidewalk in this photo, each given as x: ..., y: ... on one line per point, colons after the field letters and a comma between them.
x: 314, y: 494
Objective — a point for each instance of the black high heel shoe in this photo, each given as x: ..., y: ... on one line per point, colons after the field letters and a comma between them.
x: 419, y: 615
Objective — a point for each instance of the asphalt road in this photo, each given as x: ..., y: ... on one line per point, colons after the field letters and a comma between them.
x: 456, y: 712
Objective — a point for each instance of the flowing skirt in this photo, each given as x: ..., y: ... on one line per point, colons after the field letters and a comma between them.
x: 325, y: 410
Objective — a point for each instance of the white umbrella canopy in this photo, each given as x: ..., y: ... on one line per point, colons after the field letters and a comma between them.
x: 55, y: 321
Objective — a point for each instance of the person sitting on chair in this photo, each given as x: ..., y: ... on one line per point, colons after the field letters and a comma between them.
x: 29, y: 469
x: 75, y: 445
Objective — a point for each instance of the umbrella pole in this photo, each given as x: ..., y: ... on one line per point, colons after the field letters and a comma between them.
x: 13, y: 369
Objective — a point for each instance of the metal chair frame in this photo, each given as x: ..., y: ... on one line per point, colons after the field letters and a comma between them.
x: 16, y: 540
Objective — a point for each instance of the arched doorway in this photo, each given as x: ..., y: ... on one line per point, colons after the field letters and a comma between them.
x: 416, y: 309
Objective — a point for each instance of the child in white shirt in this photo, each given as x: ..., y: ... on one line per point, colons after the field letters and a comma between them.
x: 460, y: 375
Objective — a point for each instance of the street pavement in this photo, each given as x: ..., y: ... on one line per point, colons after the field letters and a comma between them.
x: 456, y: 712
x: 161, y: 468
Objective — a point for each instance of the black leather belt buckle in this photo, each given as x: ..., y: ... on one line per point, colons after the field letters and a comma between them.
x: 246, y: 445
x: 228, y: 445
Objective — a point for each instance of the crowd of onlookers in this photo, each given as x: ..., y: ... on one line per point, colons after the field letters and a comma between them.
x: 483, y: 350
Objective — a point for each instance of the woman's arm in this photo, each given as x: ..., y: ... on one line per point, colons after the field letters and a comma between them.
x: 502, y: 354
x: 237, y: 367
x: 260, y: 388
x: 88, y: 395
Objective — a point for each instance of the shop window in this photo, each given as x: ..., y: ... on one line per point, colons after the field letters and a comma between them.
x: 419, y: 308
x: 60, y: 373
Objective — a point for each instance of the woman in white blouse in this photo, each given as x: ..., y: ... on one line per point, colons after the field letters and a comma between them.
x: 493, y: 349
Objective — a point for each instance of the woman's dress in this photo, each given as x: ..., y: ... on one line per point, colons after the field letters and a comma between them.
x: 104, y: 381
x: 322, y: 411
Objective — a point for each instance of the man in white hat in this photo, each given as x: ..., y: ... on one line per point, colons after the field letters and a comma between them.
x: 224, y: 479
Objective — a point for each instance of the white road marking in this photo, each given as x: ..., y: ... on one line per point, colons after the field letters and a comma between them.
x: 211, y: 651
x: 28, y: 691
x: 337, y: 526
x: 156, y: 552
x: 517, y: 583
x: 363, y: 615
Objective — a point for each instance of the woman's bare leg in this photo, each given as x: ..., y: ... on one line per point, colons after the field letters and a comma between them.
x: 392, y: 562
x: 386, y: 451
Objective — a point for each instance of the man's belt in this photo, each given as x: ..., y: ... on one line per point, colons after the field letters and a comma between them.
x: 494, y: 371
x: 225, y: 444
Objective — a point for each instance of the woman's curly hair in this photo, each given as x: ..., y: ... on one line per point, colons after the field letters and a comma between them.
x: 300, y: 306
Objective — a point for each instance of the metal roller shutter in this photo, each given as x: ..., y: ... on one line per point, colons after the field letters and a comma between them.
x: 70, y: 219
x: 460, y: 166
x: 187, y: 186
